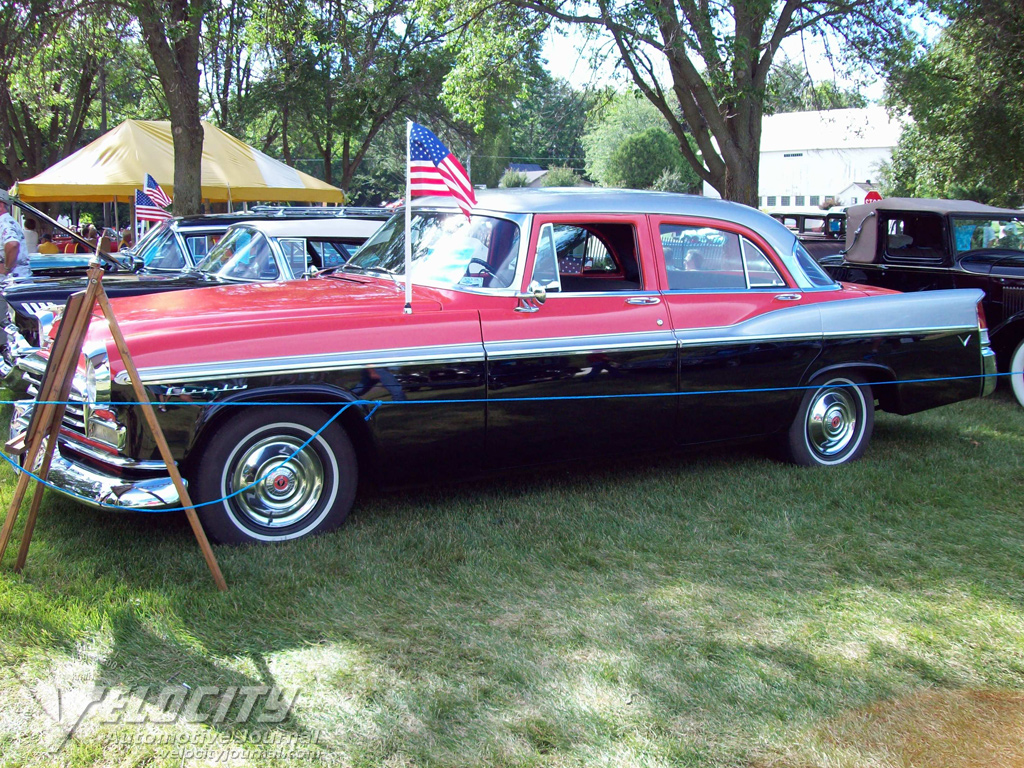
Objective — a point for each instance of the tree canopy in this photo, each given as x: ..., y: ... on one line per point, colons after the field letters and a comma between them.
x: 963, y: 94
x: 705, y: 66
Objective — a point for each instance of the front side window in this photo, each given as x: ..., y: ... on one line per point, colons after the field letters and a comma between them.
x: 1003, y: 234
x: 294, y: 251
x: 242, y: 254
x: 594, y: 256
x: 448, y: 250
x: 162, y: 254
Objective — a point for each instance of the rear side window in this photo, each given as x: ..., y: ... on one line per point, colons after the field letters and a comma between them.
x: 702, y: 259
x: 913, y: 239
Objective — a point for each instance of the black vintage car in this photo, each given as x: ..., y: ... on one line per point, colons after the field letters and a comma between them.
x: 909, y: 244
x: 182, y: 254
x: 821, y: 232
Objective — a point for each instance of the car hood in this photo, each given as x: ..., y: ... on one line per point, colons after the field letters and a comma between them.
x: 277, y: 319
x: 56, y: 290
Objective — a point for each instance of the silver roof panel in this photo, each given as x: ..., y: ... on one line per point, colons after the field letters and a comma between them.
x: 584, y: 200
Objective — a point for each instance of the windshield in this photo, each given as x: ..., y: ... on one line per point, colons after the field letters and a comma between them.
x: 242, y: 254
x: 449, y: 250
x: 160, y: 253
x: 988, y: 234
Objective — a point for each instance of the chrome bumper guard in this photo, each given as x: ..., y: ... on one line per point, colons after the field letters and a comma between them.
x: 990, y: 375
x: 94, y: 487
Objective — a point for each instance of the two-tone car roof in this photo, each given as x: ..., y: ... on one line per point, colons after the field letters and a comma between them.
x: 318, y: 228
x: 593, y: 200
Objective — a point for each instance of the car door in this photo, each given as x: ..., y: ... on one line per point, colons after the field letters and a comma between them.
x: 739, y: 352
x: 590, y: 369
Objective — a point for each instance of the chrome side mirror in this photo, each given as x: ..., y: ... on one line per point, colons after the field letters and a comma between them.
x: 535, y: 296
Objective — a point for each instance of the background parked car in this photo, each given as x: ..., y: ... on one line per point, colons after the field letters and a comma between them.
x: 183, y: 254
x: 910, y: 244
x: 823, y: 233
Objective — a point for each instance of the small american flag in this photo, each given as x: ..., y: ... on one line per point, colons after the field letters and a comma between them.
x: 147, y: 210
x: 157, y: 195
x: 433, y: 170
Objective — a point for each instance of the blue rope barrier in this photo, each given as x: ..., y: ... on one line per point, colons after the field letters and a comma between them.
x: 376, y: 404
x: 21, y: 470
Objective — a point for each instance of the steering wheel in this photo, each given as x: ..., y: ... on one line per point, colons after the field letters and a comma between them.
x: 485, y: 265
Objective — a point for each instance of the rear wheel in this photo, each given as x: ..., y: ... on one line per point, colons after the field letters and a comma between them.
x: 266, y: 486
x: 1017, y: 372
x: 833, y: 424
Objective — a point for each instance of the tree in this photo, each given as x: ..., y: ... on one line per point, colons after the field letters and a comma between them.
x: 618, y: 117
x: 346, y: 70
x: 964, y: 96
x: 48, y: 84
x: 641, y: 159
x: 790, y: 89
x: 717, y: 57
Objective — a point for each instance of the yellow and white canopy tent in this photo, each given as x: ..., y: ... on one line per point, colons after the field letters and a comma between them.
x: 113, y: 166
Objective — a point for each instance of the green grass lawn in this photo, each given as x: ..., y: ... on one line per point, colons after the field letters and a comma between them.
x: 714, y: 608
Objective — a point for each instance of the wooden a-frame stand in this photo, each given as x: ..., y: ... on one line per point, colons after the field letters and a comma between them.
x: 49, y: 413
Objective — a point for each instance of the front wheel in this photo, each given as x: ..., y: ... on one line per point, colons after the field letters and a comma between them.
x: 264, y: 493
x: 833, y: 424
x: 1017, y: 372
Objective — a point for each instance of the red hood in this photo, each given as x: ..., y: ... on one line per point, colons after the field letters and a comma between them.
x: 264, y: 320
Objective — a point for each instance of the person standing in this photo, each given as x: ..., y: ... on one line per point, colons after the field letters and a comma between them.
x: 31, y: 236
x: 16, y: 263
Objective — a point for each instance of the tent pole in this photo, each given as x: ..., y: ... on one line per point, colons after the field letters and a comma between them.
x: 117, y: 222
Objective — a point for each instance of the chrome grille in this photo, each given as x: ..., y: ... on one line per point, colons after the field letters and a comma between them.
x: 1013, y: 300
x: 74, y: 413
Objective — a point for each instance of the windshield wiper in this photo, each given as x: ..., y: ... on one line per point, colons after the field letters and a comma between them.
x: 379, y: 270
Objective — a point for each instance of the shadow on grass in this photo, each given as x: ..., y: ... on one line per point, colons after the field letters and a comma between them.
x: 698, y: 606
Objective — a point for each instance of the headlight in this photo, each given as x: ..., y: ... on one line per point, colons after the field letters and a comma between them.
x: 101, y: 422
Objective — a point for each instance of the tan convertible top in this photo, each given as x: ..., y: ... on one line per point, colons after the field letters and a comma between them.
x: 862, y: 234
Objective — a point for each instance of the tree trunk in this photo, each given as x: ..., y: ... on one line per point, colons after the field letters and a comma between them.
x: 177, y: 64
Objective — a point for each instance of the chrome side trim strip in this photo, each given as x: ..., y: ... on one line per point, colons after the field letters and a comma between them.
x: 174, y: 374
x: 505, y: 350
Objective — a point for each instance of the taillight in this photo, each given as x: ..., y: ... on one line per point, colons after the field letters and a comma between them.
x: 982, y: 325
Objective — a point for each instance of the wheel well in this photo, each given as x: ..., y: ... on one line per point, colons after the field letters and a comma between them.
x: 1005, y: 339
x: 352, y: 420
x: 882, y: 382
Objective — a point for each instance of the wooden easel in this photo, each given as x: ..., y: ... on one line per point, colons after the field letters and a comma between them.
x: 49, y: 413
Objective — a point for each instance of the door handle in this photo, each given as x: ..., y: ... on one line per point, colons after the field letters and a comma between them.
x: 644, y: 300
x: 788, y: 297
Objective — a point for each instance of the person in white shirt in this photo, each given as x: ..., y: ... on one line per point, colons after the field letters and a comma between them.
x: 31, y: 236
x: 16, y: 263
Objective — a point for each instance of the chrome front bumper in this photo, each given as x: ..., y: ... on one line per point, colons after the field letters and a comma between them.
x: 990, y: 375
x: 94, y: 487
x: 103, y: 491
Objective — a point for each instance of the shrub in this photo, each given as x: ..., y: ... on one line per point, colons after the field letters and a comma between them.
x: 513, y: 179
x: 561, y: 177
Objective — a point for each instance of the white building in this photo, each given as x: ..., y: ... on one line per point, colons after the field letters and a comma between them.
x: 809, y: 156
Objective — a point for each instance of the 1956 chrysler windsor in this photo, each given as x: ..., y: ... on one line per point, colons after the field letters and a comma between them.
x: 553, y: 324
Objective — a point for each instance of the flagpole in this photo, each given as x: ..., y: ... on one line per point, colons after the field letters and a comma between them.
x: 408, y: 218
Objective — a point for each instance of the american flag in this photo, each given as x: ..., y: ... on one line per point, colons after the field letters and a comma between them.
x: 147, y: 210
x: 433, y: 170
x: 156, y: 194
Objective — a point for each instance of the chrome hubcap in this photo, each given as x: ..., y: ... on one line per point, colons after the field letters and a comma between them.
x: 283, y: 490
x: 832, y: 420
